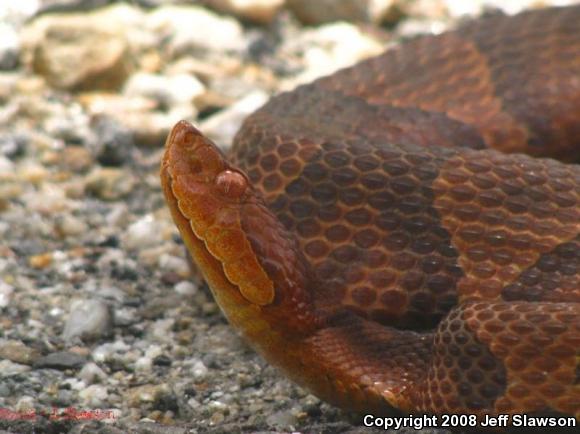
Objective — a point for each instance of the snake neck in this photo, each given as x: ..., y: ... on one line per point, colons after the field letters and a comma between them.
x: 292, y: 311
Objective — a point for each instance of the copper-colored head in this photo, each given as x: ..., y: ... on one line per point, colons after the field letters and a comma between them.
x: 208, y: 194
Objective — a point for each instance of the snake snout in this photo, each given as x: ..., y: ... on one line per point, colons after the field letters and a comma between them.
x: 191, y: 154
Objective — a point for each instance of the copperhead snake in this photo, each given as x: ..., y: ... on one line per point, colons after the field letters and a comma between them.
x: 381, y: 237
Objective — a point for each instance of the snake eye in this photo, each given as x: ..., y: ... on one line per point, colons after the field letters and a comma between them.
x: 231, y: 184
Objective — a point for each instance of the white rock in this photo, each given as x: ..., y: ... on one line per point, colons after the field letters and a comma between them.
x: 6, y: 292
x: 171, y: 263
x: 143, y: 364
x: 199, y: 370
x: 9, y: 368
x: 88, y: 319
x: 25, y: 403
x: 154, y: 351
x: 16, y: 12
x: 167, y: 91
x: 143, y: 233
x: 329, y: 47
x: 91, y: 373
x: 94, y: 396
x: 104, y: 352
x: 191, y: 28
x: 185, y: 288
x: 261, y: 11
x: 411, y: 27
x: 75, y: 383
x: 9, y: 47
x: 222, y: 126
x: 161, y: 329
x: 193, y: 403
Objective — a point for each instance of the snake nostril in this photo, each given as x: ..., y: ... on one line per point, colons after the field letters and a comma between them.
x: 231, y: 184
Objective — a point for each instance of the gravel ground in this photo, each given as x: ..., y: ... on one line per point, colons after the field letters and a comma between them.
x: 104, y: 327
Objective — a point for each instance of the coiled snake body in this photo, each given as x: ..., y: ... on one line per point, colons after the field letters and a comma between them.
x: 369, y: 238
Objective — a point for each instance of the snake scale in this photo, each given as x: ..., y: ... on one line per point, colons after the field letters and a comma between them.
x: 405, y: 233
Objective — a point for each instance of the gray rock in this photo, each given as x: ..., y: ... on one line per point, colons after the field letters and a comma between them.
x: 112, y: 142
x: 61, y: 360
x: 88, y: 320
x: 13, y: 145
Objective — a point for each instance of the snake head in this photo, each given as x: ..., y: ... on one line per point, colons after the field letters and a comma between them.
x: 237, y: 242
x: 206, y: 195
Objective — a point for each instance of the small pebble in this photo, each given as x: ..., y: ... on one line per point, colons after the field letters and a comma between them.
x: 6, y: 292
x: 109, y: 183
x: 60, y: 360
x: 91, y: 373
x: 88, y: 320
x: 185, y: 288
x: 67, y: 225
x: 17, y: 352
x: 143, y: 233
x: 9, y: 368
x: 94, y: 396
